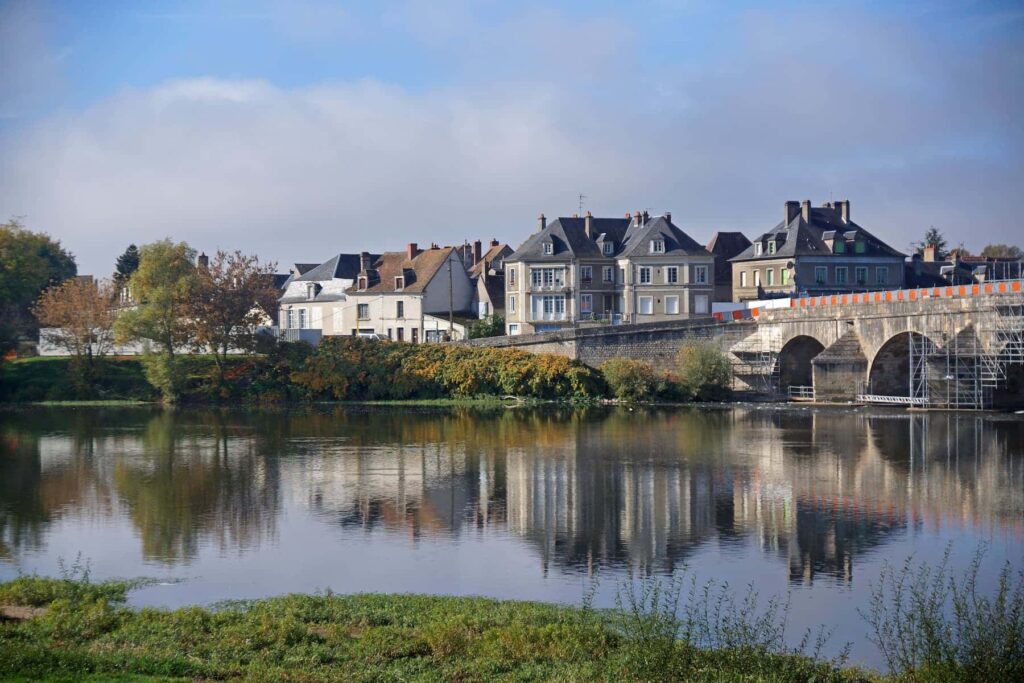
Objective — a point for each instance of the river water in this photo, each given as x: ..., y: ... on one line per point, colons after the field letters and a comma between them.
x: 533, y: 503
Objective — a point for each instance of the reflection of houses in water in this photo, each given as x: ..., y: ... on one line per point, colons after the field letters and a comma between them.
x: 419, y: 489
x: 818, y: 488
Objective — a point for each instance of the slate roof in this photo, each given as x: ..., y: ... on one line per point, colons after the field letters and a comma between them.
x: 343, y: 266
x: 281, y: 280
x: 802, y: 238
x: 727, y: 244
x: 492, y: 254
x: 418, y: 272
x: 569, y: 239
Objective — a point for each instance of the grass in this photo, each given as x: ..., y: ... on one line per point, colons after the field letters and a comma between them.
x: 88, y: 633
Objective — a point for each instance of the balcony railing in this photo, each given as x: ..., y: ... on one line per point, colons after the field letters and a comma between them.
x: 548, y: 317
x: 548, y: 287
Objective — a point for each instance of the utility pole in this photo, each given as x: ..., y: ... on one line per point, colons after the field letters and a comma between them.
x: 451, y: 304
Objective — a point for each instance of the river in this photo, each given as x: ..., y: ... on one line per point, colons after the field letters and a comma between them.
x: 532, y: 503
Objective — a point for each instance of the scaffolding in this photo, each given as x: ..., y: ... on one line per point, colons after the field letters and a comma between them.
x: 962, y: 371
x: 756, y: 361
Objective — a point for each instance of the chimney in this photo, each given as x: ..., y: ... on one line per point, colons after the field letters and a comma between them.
x: 494, y: 242
x: 805, y: 210
x: 915, y: 259
x: 203, y: 261
x: 645, y: 215
x: 929, y: 253
x: 364, y: 261
x: 411, y: 251
x: 636, y: 219
x: 542, y: 223
x: 477, y: 252
x: 588, y: 225
x: 668, y: 216
x: 844, y: 210
x: 792, y: 208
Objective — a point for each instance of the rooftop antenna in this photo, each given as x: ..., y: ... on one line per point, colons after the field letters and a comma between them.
x: 581, y: 198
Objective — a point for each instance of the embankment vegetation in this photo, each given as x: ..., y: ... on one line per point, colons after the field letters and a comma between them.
x: 354, y: 369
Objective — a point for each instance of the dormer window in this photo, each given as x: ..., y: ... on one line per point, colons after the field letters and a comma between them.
x: 311, y: 291
x: 608, y: 248
x: 362, y: 282
x: 771, y: 247
x: 839, y: 247
x: 399, y: 283
x: 757, y: 248
x: 549, y: 248
x: 859, y: 247
x: 657, y: 246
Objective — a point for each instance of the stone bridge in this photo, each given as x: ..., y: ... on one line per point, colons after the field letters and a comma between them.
x: 946, y: 347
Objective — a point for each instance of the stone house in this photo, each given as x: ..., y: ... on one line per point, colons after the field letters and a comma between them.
x: 590, y: 270
x: 815, y: 251
x: 314, y: 297
x: 407, y: 296
x: 723, y: 246
x: 487, y: 271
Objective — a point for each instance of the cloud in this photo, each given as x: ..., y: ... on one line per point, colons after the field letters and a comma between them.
x: 29, y: 71
x: 800, y: 106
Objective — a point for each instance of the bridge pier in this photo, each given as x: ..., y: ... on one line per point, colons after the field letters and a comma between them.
x: 839, y: 370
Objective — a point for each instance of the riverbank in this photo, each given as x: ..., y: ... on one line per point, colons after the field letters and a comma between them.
x: 85, y: 632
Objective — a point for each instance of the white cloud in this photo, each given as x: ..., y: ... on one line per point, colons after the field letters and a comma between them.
x: 879, y: 114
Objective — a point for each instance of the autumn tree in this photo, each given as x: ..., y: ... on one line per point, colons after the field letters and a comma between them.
x: 1002, y: 251
x: 162, y: 287
x: 232, y: 296
x: 78, y: 317
x: 29, y: 263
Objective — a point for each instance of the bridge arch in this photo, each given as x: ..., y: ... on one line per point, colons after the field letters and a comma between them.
x: 889, y: 374
x: 795, y: 361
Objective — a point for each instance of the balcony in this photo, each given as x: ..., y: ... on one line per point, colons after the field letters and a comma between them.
x: 549, y: 287
x: 548, y: 317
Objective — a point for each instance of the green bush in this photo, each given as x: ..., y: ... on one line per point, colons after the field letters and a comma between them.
x: 704, y: 372
x: 166, y: 373
x: 630, y: 380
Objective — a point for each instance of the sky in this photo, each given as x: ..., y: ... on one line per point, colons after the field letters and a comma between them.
x: 297, y: 130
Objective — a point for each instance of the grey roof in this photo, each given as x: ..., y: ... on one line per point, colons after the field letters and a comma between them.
x: 802, y: 238
x: 569, y: 239
x: 344, y: 266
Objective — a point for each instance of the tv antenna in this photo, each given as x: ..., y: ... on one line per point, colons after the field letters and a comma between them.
x: 581, y: 197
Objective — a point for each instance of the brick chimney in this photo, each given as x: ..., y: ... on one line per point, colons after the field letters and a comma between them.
x: 805, y: 210
x: 636, y: 219
x: 645, y: 215
x: 588, y: 225
x: 843, y: 208
x: 477, y: 251
x: 792, y: 208
x: 412, y: 251
x: 668, y: 216
x: 929, y: 253
x: 364, y: 261
x: 494, y: 242
x: 542, y: 223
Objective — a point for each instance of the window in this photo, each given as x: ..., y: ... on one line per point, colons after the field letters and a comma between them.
x: 586, y: 273
x: 771, y: 247
x: 389, y: 333
x: 770, y: 275
x: 672, y: 275
x: 290, y: 324
x: 700, y: 303
x: 757, y: 278
x: 646, y: 305
x: 657, y: 246
x: 511, y: 275
x: 400, y: 309
x: 549, y: 248
x: 757, y: 248
x: 839, y: 247
x: 547, y: 277
x: 645, y: 275
x: 860, y: 274
x: 513, y: 329
x: 310, y: 291
x: 820, y: 274
x: 607, y: 274
x: 743, y: 278
x: 586, y: 303
x: 415, y: 335
x: 400, y: 334
x: 548, y: 307
x: 700, y: 275
x: 512, y: 304
x: 859, y: 247
x: 363, y: 311
x: 362, y: 283
x: 841, y: 275
x: 785, y: 276
x: 881, y: 275
x: 672, y: 305
x: 399, y: 283
x: 608, y: 248
x: 302, y: 318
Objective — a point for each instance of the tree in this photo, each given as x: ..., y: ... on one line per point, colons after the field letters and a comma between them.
x: 1002, y: 251
x: 704, y: 372
x: 29, y: 263
x: 81, y: 313
x: 229, y: 302
x: 933, y: 237
x: 127, y: 264
x: 491, y: 326
x: 162, y: 286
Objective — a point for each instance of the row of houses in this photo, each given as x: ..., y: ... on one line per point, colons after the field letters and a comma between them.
x: 587, y: 270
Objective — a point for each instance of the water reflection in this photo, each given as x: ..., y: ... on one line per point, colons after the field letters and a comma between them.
x: 812, y: 491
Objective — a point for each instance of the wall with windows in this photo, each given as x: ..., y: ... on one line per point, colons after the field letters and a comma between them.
x: 753, y: 279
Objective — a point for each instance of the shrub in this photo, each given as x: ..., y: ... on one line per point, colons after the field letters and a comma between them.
x: 630, y: 380
x: 705, y: 373
x: 166, y: 373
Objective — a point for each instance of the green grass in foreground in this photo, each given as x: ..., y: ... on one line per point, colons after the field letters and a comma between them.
x: 88, y: 634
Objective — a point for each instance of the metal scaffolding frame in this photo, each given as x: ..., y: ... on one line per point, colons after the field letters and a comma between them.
x: 759, y: 361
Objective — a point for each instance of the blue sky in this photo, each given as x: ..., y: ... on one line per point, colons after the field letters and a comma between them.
x: 300, y: 129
